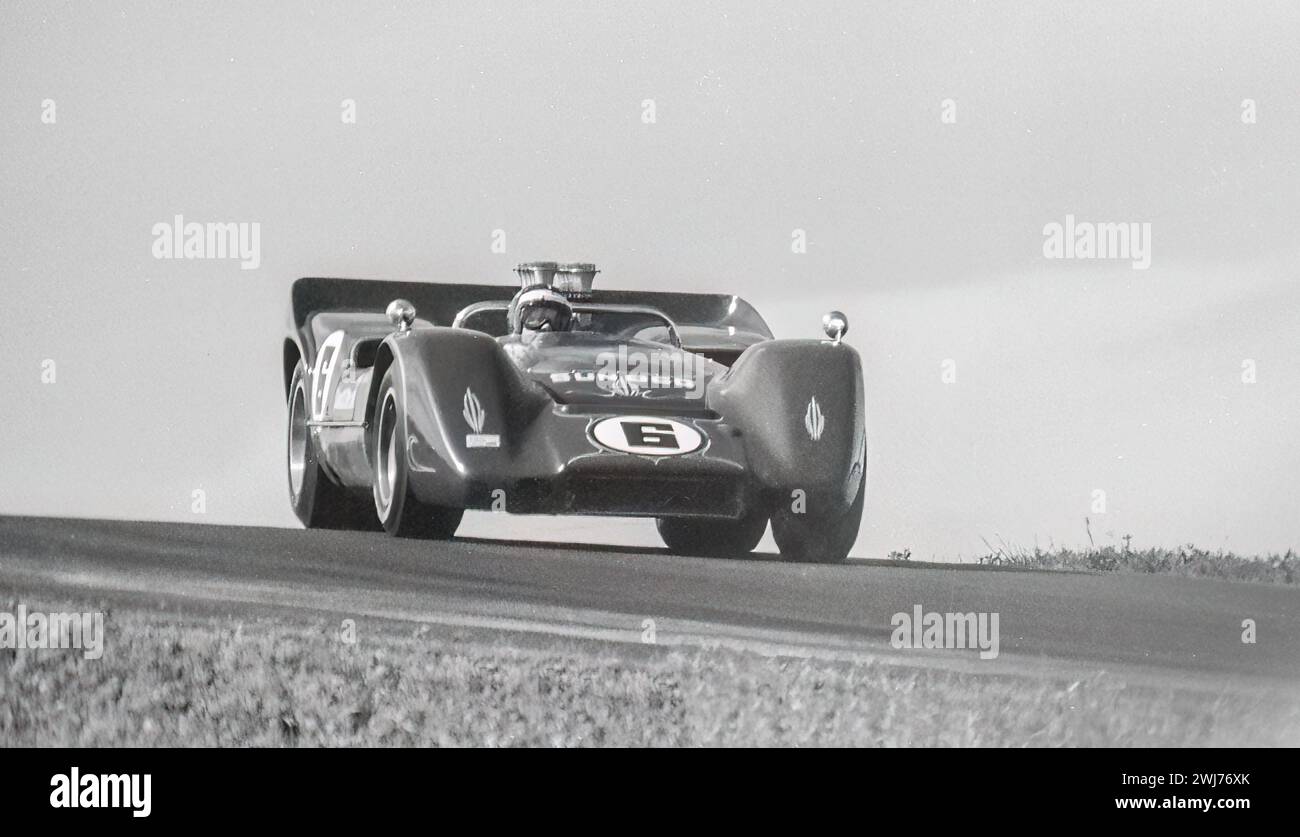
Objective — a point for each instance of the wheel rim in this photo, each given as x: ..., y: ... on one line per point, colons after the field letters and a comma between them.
x: 386, y: 454
x: 297, y: 442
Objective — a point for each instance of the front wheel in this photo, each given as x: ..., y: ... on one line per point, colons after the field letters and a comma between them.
x: 712, y: 537
x: 400, y: 512
x: 819, y: 538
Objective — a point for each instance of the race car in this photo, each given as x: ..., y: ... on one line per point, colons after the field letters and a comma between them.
x: 410, y: 403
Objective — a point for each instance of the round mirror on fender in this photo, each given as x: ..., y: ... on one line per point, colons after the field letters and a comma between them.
x: 836, y: 325
x: 401, y: 313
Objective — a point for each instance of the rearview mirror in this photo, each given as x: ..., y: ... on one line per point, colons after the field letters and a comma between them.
x: 836, y: 325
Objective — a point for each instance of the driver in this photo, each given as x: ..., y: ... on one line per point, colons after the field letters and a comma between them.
x: 538, y: 309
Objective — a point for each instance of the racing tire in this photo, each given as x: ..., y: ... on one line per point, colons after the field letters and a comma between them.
x: 812, y: 538
x: 712, y: 537
x: 316, y: 500
x: 400, y: 513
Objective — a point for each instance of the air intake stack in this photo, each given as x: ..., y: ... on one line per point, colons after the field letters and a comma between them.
x: 573, y: 279
x: 532, y: 274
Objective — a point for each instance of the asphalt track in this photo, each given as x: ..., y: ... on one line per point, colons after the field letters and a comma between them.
x: 1163, y: 628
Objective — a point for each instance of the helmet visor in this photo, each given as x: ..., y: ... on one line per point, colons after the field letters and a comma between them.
x: 544, y: 318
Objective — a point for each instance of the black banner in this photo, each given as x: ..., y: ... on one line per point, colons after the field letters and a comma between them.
x: 140, y: 787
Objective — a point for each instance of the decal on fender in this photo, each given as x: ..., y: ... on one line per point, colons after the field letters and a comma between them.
x: 813, y: 420
x: 475, y: 416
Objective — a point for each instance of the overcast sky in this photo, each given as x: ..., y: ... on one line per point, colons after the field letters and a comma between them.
x: 1071, y: 376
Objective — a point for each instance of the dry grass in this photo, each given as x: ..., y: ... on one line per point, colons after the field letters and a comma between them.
x: 1186, y: 560
x: 164, y: 681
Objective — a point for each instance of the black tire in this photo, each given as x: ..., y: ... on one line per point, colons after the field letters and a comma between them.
x: 710, y: 537
x: 316, y: 500
x: 400, y: 513
x: 819, y: 538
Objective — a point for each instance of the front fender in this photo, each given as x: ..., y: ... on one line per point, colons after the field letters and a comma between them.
x: 801, y: 407
x: 466, y: 406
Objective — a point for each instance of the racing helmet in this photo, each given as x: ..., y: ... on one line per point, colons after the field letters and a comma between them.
x: 539, y: 308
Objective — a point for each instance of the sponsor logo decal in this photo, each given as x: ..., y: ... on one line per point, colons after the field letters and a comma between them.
x: 647, y: 435
x: 616, y: 383
x: 622, y: 386
x: 813, y: 420
x: 656, y: 370
x: 637, y: 374
x: 475, y: 415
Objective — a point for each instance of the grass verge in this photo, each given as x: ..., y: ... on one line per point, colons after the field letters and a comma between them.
x: 1186, y: 560
x: 166, y: 680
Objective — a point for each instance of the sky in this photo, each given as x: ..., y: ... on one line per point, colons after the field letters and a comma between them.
x: 921, y: 148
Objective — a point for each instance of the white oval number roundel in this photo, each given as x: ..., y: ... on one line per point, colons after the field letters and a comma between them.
x: 647, y: 435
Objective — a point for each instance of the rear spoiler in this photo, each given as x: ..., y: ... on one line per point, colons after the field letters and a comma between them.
x: 439, y: 302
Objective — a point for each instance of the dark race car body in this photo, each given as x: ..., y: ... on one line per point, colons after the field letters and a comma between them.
x: 680, y: 407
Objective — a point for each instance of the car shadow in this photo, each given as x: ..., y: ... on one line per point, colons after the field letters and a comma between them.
x: 614, y: 549
x: 760, y: 557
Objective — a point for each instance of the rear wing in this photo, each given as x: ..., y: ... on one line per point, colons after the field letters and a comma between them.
x: 706, y: 321
x: 439, y: 302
